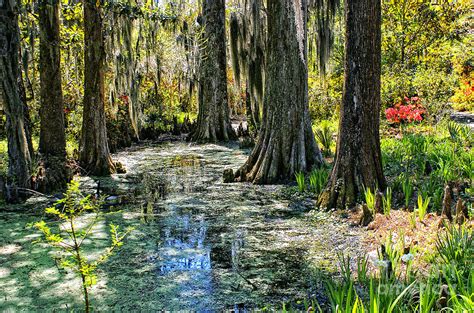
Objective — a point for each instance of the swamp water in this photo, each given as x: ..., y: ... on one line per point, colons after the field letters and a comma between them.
x: 198, y: 243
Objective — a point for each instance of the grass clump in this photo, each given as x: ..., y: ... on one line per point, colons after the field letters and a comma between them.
x: 318, y: 179
x: 369, y: 199
x: 422, y: 206
x: 448, y: 285
x: 300, y: 181
x: 387, y: 201
x: 407, y: 188
x: 428, y: 160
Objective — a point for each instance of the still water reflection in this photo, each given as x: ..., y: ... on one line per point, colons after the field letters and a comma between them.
x: 184, y: 247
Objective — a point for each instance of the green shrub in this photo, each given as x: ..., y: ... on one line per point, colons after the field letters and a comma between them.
x: 68, y: 238
x: 324, y: 136
x: 324, y: 95
x: 396, y: 83
x: 435, y: 86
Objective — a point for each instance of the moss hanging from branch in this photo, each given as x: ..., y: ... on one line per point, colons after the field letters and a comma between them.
x: 322, y: 22
x: 124, y: 47
x: 247, y: 40
x: 234, y: 46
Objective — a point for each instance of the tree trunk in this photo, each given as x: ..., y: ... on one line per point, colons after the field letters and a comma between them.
x: 52, y: 143
x: 19, y: 152
x: 286, y: 143
x: 26, y: 111
x: 252, y: 111
x: 358, y: 159
x: 213, y: 122
x: 95, y: 155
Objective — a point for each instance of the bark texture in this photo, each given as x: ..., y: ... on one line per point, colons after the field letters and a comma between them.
x: 95, y: 154
x: 252, y: 110
x: 286, y: 143
x: 52, y: 136
x: 52, y: 145
x: 24, y: 99
x: 213, y: 122
x: 19, y: 150
x: 358, y: 158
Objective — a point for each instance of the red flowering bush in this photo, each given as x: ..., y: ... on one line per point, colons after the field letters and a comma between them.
x: 406, y: 111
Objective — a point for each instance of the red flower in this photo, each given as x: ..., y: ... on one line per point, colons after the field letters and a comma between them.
x: 405, y: 113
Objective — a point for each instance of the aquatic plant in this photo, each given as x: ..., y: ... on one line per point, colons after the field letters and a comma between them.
x: 68, y: 238
x: 344, y: 266
x: 348, y: 296
x: 362, y: 269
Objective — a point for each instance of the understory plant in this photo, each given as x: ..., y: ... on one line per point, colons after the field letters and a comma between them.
x: 456, y: 245
x: 68, y: 238
x: 407, y: 188
x: 448, y: 286
x: 458, y: 133
x: 427, y: 161
x: 324, y: 136
x: 369, y: 199
x: 422, y: 206
x: 318, y: 179
x: 412, y: 219
x: 406, y: 111
x: 387, y: 201
x: 300, y: 181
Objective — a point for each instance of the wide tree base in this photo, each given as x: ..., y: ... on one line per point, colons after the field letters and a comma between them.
x: 275, y: 159
x: 205, y: 133
x: 100, y: 167
x: 337, y: 196
x: 53, y: 174
x: 344, y: 186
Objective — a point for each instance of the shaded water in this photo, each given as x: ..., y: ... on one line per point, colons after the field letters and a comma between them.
x: 225, y: 245
x: 198, y: 243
